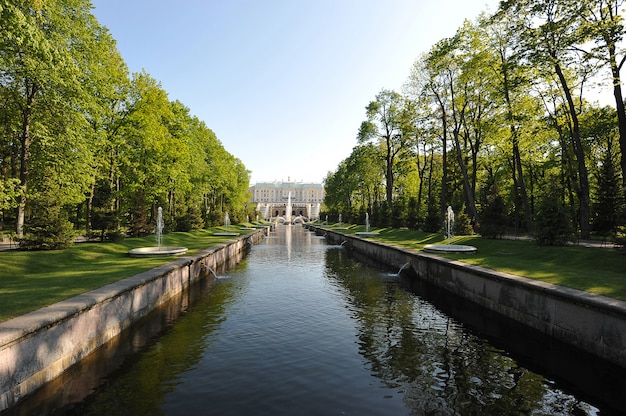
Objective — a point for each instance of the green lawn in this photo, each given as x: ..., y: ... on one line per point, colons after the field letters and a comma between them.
x: 31, y: 280
x: 596, y: 270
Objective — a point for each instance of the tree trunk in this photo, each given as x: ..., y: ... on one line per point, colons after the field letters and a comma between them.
x: 517, y: 159
x: 27, y: 111
x: 467, y: 187
x: 583, y: 177
x: 389, y: 174
x: 621, y: 111
x: 522, y: 183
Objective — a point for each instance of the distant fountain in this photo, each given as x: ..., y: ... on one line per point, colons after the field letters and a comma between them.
x: 158, y: 250
x: 248, y: 222
x: 266, y: 214
x: 226, y: 225
x: 449, y: 248
x: 340, y: 225
x: 288, y: 211
x: 449, y: 223
x: 159, y: 226
x: 367, y: 232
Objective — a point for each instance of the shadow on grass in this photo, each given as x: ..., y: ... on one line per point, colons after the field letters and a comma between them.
x: 30, y: 280
x: 595, y: 270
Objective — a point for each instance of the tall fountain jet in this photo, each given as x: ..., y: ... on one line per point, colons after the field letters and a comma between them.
x: 288, y: 211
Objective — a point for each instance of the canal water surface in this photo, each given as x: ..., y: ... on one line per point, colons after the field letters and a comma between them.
x: 300, y: 327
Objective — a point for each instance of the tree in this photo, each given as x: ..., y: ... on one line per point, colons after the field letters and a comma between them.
x: 50, y: 52
x: 513, y: 78
x: 553, y: 225
x: 603, y: 23
x: 384, y: 127
x: 550, y: 32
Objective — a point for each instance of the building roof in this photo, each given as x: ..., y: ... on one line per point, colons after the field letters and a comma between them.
x: 281, y: 184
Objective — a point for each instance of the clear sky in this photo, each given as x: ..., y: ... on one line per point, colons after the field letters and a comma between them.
x: 282, y: 83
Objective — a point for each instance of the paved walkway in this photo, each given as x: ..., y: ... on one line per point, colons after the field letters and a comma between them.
x: 583, y: 243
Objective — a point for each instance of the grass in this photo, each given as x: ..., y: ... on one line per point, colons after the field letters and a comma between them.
x: 31, y: 280
x: 595, y: 270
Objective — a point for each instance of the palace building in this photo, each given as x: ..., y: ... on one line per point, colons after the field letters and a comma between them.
x: 275, y: 199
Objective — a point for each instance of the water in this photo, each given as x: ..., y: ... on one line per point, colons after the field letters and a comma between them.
x: 300, y: 327
x: 159, y: 226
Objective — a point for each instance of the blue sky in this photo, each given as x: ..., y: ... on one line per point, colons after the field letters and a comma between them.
x: 282, y: 83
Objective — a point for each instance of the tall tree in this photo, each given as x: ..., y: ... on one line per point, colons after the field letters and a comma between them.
x: 384, y: 126
x: 44, y: 48
x: 550, y: 32
x: 604, y: 24
x: 513, y: 80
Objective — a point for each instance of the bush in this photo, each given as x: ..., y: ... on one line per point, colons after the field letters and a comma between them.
x: 462, y: 223
x: 191, y: 220
x: 432, y: 223
x: 53, y: 232
x: 494, y: 219
x: 552, y: 225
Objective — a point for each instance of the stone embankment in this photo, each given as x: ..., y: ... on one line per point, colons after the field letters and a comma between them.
x: 39, y: 346
x: 590, y: 322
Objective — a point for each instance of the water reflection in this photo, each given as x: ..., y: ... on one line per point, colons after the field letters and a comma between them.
x: 300, y: 327
x: 443, y: 367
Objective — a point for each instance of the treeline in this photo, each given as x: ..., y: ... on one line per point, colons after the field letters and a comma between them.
x: 84, y: 145
x: 500, y: 122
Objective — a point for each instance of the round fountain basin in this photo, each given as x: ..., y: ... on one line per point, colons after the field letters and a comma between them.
x: 366, y: 233
x: 156, y: 251
x: 449, y: 248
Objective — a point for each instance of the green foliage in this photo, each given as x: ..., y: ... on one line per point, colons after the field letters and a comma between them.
x: 78, y: 134
x: 553, y: 225
x: 413, y: 219
x: 50, y: 230
x: 494, y: 220
x: 190, y: 220
x: 609, y: 201
x: 432, y: 223
x: 462, y: 223
x: 9, y: 193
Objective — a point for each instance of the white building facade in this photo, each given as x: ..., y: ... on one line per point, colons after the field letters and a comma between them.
x: 273, y: 199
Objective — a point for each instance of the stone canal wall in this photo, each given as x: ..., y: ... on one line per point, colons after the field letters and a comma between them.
x: 593, y: 323
x: 39, y: 346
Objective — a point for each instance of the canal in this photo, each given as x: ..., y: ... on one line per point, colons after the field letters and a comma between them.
x: 302, y: 327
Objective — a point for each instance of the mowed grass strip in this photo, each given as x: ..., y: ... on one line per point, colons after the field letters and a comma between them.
x: 30, y: 280
x: 592, y: 269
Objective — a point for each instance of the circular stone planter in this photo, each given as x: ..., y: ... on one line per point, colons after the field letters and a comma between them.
x: 366, y: 233
x: 156, y: 251
x: 449, y: 248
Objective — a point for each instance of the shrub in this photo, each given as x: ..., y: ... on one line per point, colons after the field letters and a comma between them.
x: 50, y: 232
x: 552, y: 225
x: 494, y: 219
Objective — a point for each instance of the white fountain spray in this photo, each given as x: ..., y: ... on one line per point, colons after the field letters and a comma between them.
x: 449, y: 223
x: 367, y: 222
x: 159, y: 227
x: 288, y: 213
x: 226, y: 221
